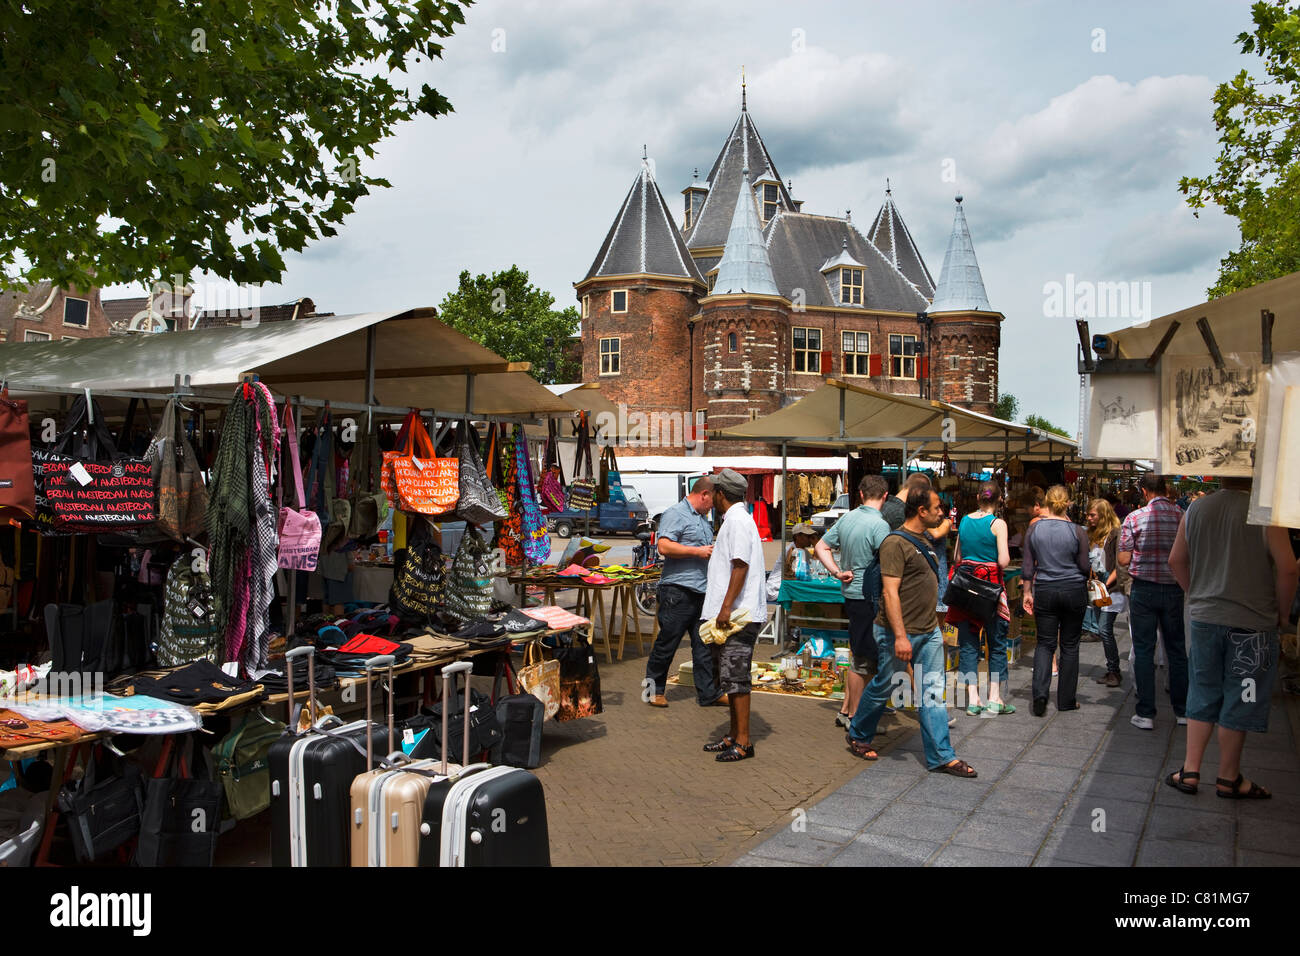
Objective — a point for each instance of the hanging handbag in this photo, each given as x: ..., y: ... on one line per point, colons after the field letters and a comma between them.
x: 102, y: 809
x: 17, y: 480
x: 419, y: 583
x: 469, y: 586
x: 611, y: 482
x: 182, y: 496
x: 478, y: 503
x: 582, y: 491
x: 1098, y: 593
x: 415, y: 478
x: 369, y: 506
x: 182, y: 813
x: 541, y: 678
x: 89, y: 486
x: 973, y: 596
x: 510, y: 530
x: 536, y: 539
x: 579, y: 680
x: 298, y: 528
x: 551, y: 487
x: 242, y: 764
x: 189, y: 631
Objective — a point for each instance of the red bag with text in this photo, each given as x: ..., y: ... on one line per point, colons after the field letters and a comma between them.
x: 17, y: 484
x: 415, y: 478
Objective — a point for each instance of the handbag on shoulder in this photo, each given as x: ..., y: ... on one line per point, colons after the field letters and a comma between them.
x: 973, y: 595
x: 1098, y: 593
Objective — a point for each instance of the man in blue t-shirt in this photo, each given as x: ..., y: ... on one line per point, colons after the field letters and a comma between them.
x: 857, y: 537
x: 685, y: 539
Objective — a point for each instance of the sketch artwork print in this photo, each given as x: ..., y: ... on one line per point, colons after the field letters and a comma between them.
x: 1212, y: 415
x: 1122, y: 419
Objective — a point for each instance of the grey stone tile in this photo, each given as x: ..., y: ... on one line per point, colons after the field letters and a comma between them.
x: 1037, y: 806
x: 1139, y: 765
x: 1277, y: 781
x: 1269, y: 835
x: 1122, y: 816
x: 990, y: 769
x: 751, y: 860
x: 984, y: 746
x: 895, y: 762
x: 1054, y: 756
x: 954, y: 855
x: 1045, y: 861
x: 949, y: 792
x: 1282, y: 806
x: 1194, y: 826
x: 1022, y: 725
x: 1033, y: 776
x: 1181, y: 853
x: 1004, y: 833
x: 1080, y: 844
x: 930, y: 824
x: 814, y: 847
x: 1064, y: 735
x: 1273, y: 740
x: 1268, y: 760
x: 1122, y: 785
x: 875, y: 849
x: 848, y: 811
x: 1167, y: 796
x: 1139, y: 743
x: 1259, y: 858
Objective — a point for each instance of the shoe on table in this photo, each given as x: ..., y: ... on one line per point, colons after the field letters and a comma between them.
x: 1142, y: 723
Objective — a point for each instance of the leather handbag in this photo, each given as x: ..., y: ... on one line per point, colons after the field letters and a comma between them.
x: 1098, y: 593
x: 415, y: 478
x: 369, y: 506
x: 182, y: 496
x: 17, y: 481
x: 299, y: 528
x: 541, y: 678
x: 419, y: 583
x: 973, y: 596
x: 478, y: 503
x: 102, y: 809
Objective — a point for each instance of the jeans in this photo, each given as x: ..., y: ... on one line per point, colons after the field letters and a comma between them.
x: 1058, y: 616
x: 1106, y: 628
x: 1232, y: 671
x: 679, y: 613
x: 1150, y: 606
x: 968, y: 645
x: 1091, y: 619
x: 891, y: 678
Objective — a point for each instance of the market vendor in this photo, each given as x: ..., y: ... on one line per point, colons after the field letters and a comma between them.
x: 805, y: 536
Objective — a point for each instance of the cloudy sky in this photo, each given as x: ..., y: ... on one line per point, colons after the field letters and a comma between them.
x: 1065, y: 125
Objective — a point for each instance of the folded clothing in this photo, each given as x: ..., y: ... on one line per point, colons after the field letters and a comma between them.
x: 278, y: 682
x: 710, y: 633
x: 201, y: 682
x: 556, y: 618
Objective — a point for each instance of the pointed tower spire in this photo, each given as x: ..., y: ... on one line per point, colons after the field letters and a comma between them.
x: 644, y: 239
x: 745, y: 266
x: 890, y: 235
x: 743, y: 105
x: 961, y: 286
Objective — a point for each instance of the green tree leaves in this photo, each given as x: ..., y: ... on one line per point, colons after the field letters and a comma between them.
x: 1007, y: 408
x: 515, y: 319
x: 1041, y: 423
x: 195, y: 136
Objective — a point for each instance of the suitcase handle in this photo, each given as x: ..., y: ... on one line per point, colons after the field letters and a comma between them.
x: 383, y: 660
x: 310, y: 653
x: 449, y: 672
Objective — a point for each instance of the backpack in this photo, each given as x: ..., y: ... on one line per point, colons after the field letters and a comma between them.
x: 242, y: 764
x: 189, y: 630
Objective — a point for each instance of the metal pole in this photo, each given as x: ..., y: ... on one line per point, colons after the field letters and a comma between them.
x: 370, y: 365
x: 841, y: 432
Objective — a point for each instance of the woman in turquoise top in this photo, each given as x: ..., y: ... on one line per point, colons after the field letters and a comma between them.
x: 982, y: 540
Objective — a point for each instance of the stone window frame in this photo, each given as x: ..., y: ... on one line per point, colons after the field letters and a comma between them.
x: 31, y: 335
x: 586, y: 306
x: 611, y: 356
x: 732, y: 344
x: 901, y: 357
x: 954, y: 363
x: 626, y: 301
x: 774, y: 202
x: 76, y: 325
x: 807, y: 350
x: 852, y: 289
x: 861, y: 358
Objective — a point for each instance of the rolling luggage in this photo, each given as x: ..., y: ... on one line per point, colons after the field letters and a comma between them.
x: 311, y: 775
x: 388, y: 801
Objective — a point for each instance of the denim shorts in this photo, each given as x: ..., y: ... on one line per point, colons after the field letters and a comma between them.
x: 735, y: 660
x: 1230, y: 674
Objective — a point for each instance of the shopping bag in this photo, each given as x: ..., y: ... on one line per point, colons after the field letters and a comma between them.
x: 479, y: 503
x: 182, y: 813
x: 17, y: 480
x: 541, y: 678
x: 419, y: 583
x: 298, y: 528
x: 582, y: 490
x: 533, y: 532
x: 182, y: 496
x: 469, y: 586
x: 551, y: 486
x: 242, y: 765
x: 103, y: 808
x: 416, y: 479
x: 579, y: 680
x: 369, y: 507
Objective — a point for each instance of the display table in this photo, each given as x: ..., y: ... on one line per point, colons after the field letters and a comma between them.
x: 824, y: 591
x: 591, y: 604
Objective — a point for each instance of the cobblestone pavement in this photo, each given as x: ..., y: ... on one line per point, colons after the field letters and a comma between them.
x: 1070, y: 789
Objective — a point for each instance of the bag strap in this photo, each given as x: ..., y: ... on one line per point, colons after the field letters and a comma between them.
x: 291, y: 439
x: 926, y: 551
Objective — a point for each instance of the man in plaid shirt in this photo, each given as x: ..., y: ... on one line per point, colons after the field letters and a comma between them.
x: 1155, y: 600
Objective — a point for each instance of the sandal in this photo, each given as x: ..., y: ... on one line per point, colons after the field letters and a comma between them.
x: 860, y: 748
x: 726, y: 743
x: 1178, y: 780
x: 959, y: 769
x: 734, y: 753
x: 1256, y: 792
x: 843, y: 720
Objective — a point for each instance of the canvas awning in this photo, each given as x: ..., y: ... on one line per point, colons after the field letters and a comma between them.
x: 417, y: 362
x: 845, y: 416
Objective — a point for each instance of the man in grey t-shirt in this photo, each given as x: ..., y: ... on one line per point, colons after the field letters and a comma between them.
x: 1240, y: 580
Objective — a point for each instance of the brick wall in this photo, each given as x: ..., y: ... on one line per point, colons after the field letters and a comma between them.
x: 971, y: 343
x: 50, y: 322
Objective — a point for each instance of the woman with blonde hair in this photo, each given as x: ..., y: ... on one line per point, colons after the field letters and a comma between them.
x: 1055, y: 578
x: 1103, y: 541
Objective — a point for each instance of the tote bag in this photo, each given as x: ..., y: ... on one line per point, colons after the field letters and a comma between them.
x: 551, y: 487
x: 541, y: 678
x: 182, y: 814
x: 17, y: 481
x: 415, y: 478
x: 582, y: 492
x: 419, y: 583
x: 469, y: 588
x: 299, y: 528
x: 536, y: 539
x: 182, y: 496
x: 579, y: 681
x: 479, y: 503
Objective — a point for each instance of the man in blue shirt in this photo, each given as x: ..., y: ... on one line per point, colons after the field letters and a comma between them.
x: 857, y: 537
x: 685, y: 539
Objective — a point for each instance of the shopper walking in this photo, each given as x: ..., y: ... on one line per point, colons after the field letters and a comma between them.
x: 1240, y: 581
x: 1103, y: 549
x: 857, y: 536
x: 1055, y: 579
x: 894, y: 508
x: 685, y: 539
x: 907, y: 635
x: 982, y: 548
x: 1155, y: 600
x: 736, y: 588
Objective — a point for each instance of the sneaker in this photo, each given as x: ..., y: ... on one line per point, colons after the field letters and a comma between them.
x: 952, y: 721
x: 889, y: 710
x: 1182, y: 721
x: 1142, y: 723
x: 843, y: 720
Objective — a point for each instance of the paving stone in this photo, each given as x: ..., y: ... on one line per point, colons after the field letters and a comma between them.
x: 1053, y: 756
x: 1123, y: 816
x: 1259, y: 858
x: 954, y: 855
x: 1060, y: 735
x: 990, y: 769
x: 1003, y: 832
x: 1022, y: 725
x: 1121, y: 785
x: 848, y: 811
x: 1180, y: 853
x: 1278, y: 781
x: 751, y: 860
x: 1139, y: 765
x: 876, y: 849
x: 1269, y: 835
x: 949, y: 792
x: 1032, y: 776
x: 1268, y: 760
x: 1080, y: 844
x: 984, y: 746
x: 1036, y: 806
x: 815, y: 846
x: 1198, y: 826
x: 917, y: 822
x: 1140, y: 743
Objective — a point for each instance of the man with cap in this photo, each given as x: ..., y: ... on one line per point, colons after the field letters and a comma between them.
x: 685, y: 539
x: 736, y: 588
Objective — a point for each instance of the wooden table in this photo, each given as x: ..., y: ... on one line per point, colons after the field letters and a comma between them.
x: 591, y: 604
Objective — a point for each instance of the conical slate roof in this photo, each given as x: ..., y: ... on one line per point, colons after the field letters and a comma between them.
x: 961, y: 287
x: 744, y: 149
x: 890, y: 235
x: 644, y: 237
x: 745, y: 266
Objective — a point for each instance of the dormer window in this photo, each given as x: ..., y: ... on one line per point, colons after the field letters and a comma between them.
x: 618, y: 301
x: 712, y: 278
x: 771, y: 201
x: 851, y: 286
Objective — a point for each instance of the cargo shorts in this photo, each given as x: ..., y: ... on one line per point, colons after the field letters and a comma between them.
x: 735, y: 660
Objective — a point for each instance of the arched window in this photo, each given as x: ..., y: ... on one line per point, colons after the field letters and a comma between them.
x: 731, y: 342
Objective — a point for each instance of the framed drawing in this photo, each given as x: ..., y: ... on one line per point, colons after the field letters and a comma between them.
x: 1271, y: 502
x: 1123, y: 416
x: 1211, y: 415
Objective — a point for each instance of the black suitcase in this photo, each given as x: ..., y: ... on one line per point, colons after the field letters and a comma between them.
x: 521, y: 717
x: 485, y: 815
x: 311, y: 776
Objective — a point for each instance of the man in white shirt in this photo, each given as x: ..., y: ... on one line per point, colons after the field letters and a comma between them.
x: 736, y: 582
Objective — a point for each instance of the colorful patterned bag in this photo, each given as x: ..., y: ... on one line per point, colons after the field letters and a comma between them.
x: 469, y: 586
x: 415, y: 478
x: 510, y: 530
x: 536, y: 539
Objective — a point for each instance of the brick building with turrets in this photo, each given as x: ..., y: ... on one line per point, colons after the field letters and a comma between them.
x: 753, y: 303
